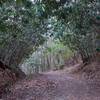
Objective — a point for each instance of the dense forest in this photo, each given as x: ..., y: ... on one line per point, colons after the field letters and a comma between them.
x: 39, y: 36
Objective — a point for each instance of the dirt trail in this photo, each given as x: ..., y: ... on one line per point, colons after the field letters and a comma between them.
x: 53, y: 85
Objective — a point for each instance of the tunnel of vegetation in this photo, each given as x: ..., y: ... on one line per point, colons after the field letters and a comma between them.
x: 26, y: 24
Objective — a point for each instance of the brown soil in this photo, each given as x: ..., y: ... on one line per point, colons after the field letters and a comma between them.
x: 54, y: 85
x: 7, y: 78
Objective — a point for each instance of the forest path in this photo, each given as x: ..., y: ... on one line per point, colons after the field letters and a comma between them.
x: 54, y: 85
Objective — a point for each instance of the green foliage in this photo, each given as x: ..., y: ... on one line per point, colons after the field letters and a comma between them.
x: 25, y: 25
x: 50, y: 55
x: 73, y: 23
x: 21, y: 21
x: 21, y: 30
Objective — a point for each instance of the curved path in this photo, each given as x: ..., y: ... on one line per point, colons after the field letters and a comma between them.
x: 53, y: 86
